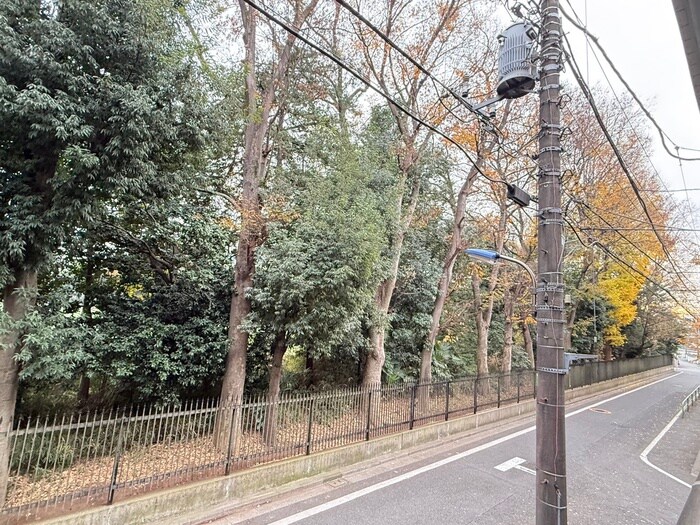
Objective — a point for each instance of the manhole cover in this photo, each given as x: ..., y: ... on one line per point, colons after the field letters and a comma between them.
x: 599, y: 410
x: 337, y: 482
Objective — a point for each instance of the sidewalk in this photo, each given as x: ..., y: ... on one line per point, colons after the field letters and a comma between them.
x: 689, y: 428
x: 682, y: 462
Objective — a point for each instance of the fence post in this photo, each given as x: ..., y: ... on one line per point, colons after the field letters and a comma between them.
x: 476, y: 385
x: 369, y: 416
x: 229, y: 448
x: 309, y: 428
x: 115, y: 466
x: 498, y: 388
x: 534, y: 384
x: 520, y: 377
x: 413, y: 407
x: 447, y: 400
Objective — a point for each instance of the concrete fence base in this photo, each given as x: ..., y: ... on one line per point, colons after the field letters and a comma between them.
x: 245, y: 484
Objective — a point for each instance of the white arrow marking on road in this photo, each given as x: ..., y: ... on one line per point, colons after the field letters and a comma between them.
x: 295, y: 518
x: 515, y: 463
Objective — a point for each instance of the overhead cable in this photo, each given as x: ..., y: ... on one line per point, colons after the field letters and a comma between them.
x: 412, y: 60
x: 631, y: 270
x: 589, y: 97
x: 648, y: 114
x: 296, y: 33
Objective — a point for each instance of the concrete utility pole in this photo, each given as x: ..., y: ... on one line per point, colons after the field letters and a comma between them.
x: 551, y: 436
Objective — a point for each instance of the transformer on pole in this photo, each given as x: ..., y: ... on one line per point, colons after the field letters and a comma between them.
x: 517, y: 74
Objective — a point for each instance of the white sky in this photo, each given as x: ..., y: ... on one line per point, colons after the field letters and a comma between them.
x: 643, y: 40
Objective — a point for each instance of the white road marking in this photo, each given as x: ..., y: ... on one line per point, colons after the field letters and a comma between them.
x: 515, y: 463
x: 525, y: 469
x: 511, y: 463
x: 294, y: 518
x: 655, y: 441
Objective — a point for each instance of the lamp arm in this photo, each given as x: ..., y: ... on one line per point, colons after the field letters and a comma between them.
x: 532, y: 275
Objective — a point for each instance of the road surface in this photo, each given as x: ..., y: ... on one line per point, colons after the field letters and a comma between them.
x: 489, y: 480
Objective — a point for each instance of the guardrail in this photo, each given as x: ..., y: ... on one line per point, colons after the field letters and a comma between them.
x: 690, y: 401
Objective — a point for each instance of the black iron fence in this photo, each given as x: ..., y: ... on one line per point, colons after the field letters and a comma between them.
x: 63, y: 463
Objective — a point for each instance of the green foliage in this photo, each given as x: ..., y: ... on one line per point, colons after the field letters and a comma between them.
x: 412, y: 304
x: 657, y: 329
x: 454, y: 359
x: 105, y: 124
x: 314, y: 275
x: 120, y: 156
x: 520, y: 360
x: 97, y: 107
x: 587, y: 333
x: 153, y: 338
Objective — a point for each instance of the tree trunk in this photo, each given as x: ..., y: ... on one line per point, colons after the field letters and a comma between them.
x: 507, y: 357
x: 17, y: 299
x: 259, y: 105
x: 273, y: 391
x: 607, y: 352
x: 569, y: 326
x: 374, y: 364
x: 484, y: 313
x: 453, y: 252
x: 310, y: 379
x: 426, y: 358
x: 84, y: 390
x: 482, y: 335
x: 250, y: 237
x: 482, y: 362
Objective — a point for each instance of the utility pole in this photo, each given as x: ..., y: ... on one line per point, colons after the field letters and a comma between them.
x: 550, y: 433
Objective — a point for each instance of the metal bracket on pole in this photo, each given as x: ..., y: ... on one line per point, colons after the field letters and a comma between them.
x: 488, y: 102
x: 568, y: 358
x: 561, y: 371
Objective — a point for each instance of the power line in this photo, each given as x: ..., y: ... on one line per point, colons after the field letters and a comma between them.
x: 690, y: 222
x: 489, y: 125
x: 413, y: 61
x: 296, y: 33
x: 629, y: 241
x: 663, y: 228
x: 623, y: 236
x: 671, y: 191
x: 648, y: 114
x: 631, y: 270
x: 589, y: 97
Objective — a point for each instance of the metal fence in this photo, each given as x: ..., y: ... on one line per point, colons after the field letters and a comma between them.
x: 598, y: 371
x: 64, y: 463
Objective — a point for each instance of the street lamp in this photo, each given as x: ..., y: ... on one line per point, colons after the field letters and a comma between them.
x: 491, y: 257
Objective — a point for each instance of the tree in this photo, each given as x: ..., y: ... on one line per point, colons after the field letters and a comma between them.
x: 611, y: 214
x: 430, y: 46
x: 89, y: 117
x: 314, y: 278
x: 658, y: 327
x: 261, y: 97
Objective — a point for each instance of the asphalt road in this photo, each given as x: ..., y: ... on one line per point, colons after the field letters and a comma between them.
x: 459, y: 482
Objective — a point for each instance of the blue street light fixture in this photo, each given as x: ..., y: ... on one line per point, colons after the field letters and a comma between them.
x: 491, y: 257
